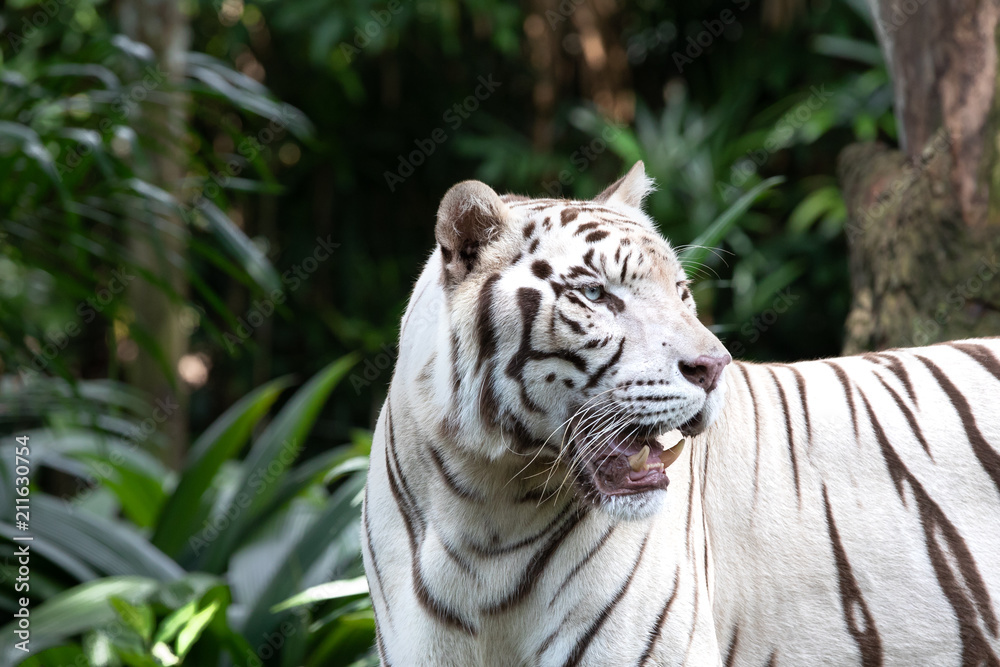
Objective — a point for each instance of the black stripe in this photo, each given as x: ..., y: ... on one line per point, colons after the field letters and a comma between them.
x: 456, y: 379
x: 756, y: 432
x: 407, y: 493
x: 788, y: 433
x: 529, y: 302
x: 910, y: 417
x: 988, y: 457
x: 866, y: 634
x: 579, y: 566
x: 588, y: 635
x: 687, y: 530
x: 894, y: 364
x: 842, y: 376
x: 484, y: 322
x: 378, y: 640
x: 975, y: 648
x: 572, y: 324
x: 801, y: 381
x: 486, y: 551
x: 489, y: 406
x: 654, y: 632
x: 434, y: 607
x: 457, y: 558
x: 596, y: 377
x: 449, y: 478
x: 982, y: 354
x: 734, y: 644
x: 538, y: 563
x: 371, y: 554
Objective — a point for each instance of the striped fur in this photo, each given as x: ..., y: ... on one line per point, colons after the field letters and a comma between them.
x: 833, y: 512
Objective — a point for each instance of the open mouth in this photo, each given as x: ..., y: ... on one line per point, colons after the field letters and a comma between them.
x: 693, y: 426
x: 634, y: 465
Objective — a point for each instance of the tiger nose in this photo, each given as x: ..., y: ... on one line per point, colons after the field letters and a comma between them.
x: 704, y: 371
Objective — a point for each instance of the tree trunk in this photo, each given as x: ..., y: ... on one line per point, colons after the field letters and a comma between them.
x: 163, y: 26
x: 924, y: 220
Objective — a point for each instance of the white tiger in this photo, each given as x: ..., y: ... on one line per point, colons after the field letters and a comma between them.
x: 833, y: 512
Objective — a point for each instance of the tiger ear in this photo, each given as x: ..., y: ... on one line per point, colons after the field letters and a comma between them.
x: 471, y: 215
x: 629, y: 190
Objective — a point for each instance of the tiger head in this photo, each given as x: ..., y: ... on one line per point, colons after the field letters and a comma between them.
x: 574, y: 338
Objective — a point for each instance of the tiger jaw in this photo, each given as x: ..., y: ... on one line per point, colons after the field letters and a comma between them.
x: 636, y: 466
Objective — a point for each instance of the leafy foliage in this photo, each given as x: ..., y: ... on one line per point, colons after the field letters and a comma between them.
x: 137, y: 564
x: 120, y: 592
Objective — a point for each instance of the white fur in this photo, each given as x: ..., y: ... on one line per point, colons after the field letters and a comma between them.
x: 737, y: 554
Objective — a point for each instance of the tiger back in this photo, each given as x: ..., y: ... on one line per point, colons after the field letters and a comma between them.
x: 569, y: 470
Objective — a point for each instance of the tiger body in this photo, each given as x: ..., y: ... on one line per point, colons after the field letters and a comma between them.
x: 517, y: 511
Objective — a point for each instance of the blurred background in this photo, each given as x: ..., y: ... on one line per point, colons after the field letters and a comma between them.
x: 212, y: 213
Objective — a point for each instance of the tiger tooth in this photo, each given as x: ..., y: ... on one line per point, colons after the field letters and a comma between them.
x: 671, y: 454
x: 638, y: 460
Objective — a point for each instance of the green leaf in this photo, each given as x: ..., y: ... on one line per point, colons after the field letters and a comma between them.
x: 270, y: 458
x: 333, y: 590
x: 220, y: 442
x: 699, y: 249
x: 241, y: 247
x: 340, y: 513
x: 79, y: 609
x: 141, y: 495
x: 109, y: 547
x: 190, y: 633
x: 31, y: 146
x: 173, y: 623
x: 246, y: 93
x: 139, y: 618
x: 837, y: 46
x: 817, y: 204
x: 62, y: 558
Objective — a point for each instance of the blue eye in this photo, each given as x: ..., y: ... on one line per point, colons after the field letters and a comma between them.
x: 593, y: 292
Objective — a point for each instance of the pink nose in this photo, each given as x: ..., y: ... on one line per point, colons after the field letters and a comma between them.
x: 705, y: 370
